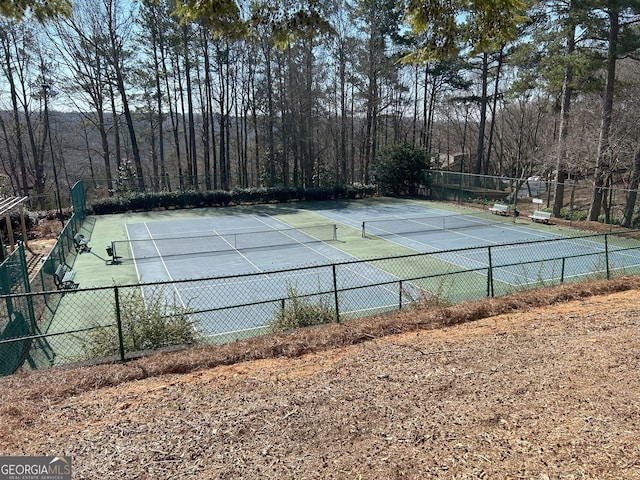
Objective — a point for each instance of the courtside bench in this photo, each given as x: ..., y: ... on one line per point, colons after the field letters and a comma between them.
x: 541, y: 217
x: 64, y: 278
x: 500, y: 209
x: 81, y: 243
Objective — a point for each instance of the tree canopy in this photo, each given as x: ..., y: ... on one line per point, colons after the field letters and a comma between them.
x: 40, y: 9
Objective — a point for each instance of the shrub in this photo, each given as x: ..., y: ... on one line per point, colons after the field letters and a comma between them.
x: 282, y: 194
x: 398, y: 169
x: 575, y: 216
x: 339, y: 191
x: 250, y: 195
x: 149, y: 322
x: 318, y: 194
x: 302, y: 311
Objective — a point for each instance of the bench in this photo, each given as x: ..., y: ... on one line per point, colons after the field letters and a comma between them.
x: 81, y: 243
x: 541, y: 217
x: 500, y: 209
x: 64, y: 277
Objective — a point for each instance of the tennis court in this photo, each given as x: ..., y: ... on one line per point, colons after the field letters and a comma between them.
x: 258, y: 245
x: 533, y: 260
x: 266, y: 258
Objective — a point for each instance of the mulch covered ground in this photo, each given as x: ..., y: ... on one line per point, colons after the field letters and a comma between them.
x: 539, y: 385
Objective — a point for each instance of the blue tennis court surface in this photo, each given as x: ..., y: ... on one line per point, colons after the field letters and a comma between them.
x: 227, y: 245
x: 432, y: 230
x: 258, y: 245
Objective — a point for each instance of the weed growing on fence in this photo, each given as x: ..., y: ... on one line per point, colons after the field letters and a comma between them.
x: 148, y: 322
x: 420, y: 298
x: 302, y: 311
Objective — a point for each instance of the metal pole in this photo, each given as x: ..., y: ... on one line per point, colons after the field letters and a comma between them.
x: 335, y: 293
x: 119, y: 324
x: 606, y: 254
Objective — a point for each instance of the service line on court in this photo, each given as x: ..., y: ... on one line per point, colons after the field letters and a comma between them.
x: 239, y: 252
x: 327, y: 257
x: 166, y: 269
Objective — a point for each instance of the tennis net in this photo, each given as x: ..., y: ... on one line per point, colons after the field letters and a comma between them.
x: 210, y: 243
x: 389, y: 226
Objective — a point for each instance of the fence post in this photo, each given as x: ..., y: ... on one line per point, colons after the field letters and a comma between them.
x: 27, y: 285
x: 400, y: 295
x: 116, y: 294
x: 562, y: 272
x: 490, y: 292
x: 335, y: 292
x: 606, y: 254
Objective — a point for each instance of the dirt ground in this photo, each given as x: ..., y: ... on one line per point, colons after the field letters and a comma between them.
x: 542, y: 385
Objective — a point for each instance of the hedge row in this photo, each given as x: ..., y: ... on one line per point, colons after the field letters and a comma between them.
x: 193, y: 199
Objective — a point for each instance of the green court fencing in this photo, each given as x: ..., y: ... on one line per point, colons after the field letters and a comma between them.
x: 119, y: 321
x: 63, y: 251
x: 486, y: 190
x: 24, y: 317
x: 16, y: 311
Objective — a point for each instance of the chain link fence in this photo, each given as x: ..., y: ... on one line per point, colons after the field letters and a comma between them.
x: 576, y: 200
x: 120, y: 321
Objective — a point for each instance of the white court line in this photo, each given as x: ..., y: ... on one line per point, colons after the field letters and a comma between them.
x: 239, y: 253
x: 357, y: 273
x: 155, y: 245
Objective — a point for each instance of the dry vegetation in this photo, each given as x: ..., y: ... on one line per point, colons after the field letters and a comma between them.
x: 536, y: 385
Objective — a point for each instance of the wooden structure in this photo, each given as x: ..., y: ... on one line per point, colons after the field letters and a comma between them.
x: 7, y: 206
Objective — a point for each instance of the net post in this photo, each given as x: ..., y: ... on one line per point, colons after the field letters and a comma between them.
x: 335, y: 232
x: 364, y: 235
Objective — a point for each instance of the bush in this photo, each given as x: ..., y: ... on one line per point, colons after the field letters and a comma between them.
x: 398, y: 169
x: 165, y: 200
x: 249, y: 195
x: 318, y: 194
x: 282, y: 194
x: 302, y: 311
x: 575, y: 216
x: 148, y: 323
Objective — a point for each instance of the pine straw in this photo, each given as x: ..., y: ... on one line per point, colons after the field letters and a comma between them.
x: 546, y: 387
x: 55, y: 384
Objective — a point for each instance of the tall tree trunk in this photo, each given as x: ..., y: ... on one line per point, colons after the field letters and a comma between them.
x: 343, y: 115
x: 602, y: 168
x: 172, y: 113
x: 156, y: 76
x: 254, y: 117
x: 116, y: 64
x: 632, y: 195
x: 271, y: 167
x: 191, y: 139
x: 483, y: 116
x: 115, y: 127
x: 565, y: 107
x: 8, y: 70
x: 207, y: 101
x: 494, y: 109
x: 224, y: 175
